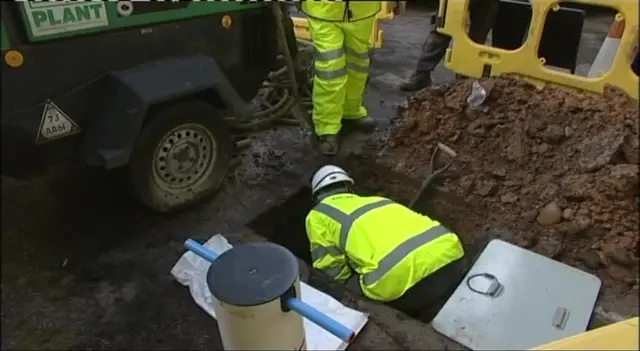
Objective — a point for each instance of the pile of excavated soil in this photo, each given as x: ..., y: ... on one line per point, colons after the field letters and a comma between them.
x: 556, y: 169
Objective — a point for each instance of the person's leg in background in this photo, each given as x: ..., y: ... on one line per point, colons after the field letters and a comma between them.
x: 356, y: 45
x: 433, y: 50
x: 482, y: 16
x: 329, y: 82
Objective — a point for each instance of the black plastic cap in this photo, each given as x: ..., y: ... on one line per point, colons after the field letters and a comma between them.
x: 252, y: 274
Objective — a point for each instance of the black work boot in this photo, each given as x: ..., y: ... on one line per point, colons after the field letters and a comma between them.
x: 417, y: 81
x: 328, y: 144
x: 366, y: 124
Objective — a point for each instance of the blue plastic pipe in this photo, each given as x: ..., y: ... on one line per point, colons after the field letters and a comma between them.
x: 320, y: 319
x: 200, y: 250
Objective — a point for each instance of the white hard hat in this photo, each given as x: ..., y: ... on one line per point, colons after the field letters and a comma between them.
x: 328, y: 175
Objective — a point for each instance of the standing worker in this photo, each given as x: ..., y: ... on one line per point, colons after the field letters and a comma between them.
x: 380, y: 248
x: 482, y: 17
x: 340, y: 32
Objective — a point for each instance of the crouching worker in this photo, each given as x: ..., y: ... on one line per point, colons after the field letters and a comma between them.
x: 380, y: 248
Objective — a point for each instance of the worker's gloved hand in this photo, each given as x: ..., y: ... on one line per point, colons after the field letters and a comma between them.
x: 303, y: 271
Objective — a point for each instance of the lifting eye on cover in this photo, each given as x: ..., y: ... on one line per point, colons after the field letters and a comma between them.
x: 493, y: 290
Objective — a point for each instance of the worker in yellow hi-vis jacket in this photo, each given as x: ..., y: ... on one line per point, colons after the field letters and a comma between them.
x: 380, y: 248
x: 340, y: 32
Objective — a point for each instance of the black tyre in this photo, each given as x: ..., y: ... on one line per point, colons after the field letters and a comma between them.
x: 181, y: 156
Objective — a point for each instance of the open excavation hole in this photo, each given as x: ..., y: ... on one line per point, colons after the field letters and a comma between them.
x: 284, y: 224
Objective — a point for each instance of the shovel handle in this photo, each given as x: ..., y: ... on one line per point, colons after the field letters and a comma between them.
x: 447, y: 150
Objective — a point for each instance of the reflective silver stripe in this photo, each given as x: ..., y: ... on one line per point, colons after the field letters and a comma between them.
x: 333, y: 272
x: 328, y: 55
x: 358, y: 68
x: 347, y: 220
x: 321, y: 251
x: 336, y: 215
x: 332, y: 74
x: 358, y: 55
x: 394, y: 257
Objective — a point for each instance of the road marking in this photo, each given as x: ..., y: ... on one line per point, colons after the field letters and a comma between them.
x: 55, y: 124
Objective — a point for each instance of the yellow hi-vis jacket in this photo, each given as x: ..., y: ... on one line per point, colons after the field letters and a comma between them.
x: 388, y: 245
x: 338, y: 11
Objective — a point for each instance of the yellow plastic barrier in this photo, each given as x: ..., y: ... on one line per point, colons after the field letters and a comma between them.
x: 468, y: 58
x: 619, y: 336
x: 301, y: 26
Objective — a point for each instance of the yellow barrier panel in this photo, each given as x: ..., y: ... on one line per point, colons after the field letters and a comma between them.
x: 301, y: 26
x: 468, y: 58
x: 619, y: 336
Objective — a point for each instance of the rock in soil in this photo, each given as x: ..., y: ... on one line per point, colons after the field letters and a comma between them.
x: 549, y: 215
x: 571, y: 154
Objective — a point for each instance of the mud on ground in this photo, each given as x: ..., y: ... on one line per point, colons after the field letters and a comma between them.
x: 555, y: 170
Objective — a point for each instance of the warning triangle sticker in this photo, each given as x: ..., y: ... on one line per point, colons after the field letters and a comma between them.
x: 55, y: 124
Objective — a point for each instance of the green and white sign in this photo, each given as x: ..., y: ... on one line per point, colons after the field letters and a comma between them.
x: 55, y: 17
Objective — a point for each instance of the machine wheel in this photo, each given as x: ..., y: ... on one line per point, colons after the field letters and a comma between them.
x: 181, y: 156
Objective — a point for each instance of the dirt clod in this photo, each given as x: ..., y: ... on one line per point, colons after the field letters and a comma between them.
x: 567, y: 214
x: 577, y: 186
x: 599, y: 150
x: 509, y: 198
x: 630, y: 149
x: 550, y: 247
x: 572, y: 229
x: 557, y: 168
x: 590, y: 259
x: 487, y: 188
x: 617, y: 255
x: 553, y: 134
x: 527, y: 239
x: 620, y: 182
x: 621, y: 274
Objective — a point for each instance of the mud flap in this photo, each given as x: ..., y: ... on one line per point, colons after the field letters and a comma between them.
x: 128, y: 94
x: 561, y: 34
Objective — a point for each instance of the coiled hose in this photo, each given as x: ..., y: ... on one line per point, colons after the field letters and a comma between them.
x: 273, y: 103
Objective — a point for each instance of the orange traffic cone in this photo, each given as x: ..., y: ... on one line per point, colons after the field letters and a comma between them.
x: 608, y: 50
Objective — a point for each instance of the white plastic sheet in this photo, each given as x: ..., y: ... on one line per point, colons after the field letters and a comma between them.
x: 191, y: 271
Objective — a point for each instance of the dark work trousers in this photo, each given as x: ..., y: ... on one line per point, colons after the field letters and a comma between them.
x: 482, y: 15
x: 428, y: 295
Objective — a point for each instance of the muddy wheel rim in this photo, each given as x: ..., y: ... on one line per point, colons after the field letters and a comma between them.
x: 184, y: 158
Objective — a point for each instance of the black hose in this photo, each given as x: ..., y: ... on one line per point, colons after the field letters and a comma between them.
x: 274, y: 101
x: 283, y: 99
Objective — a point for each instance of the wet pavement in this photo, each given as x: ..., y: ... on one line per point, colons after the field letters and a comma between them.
x: 84, y: 266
